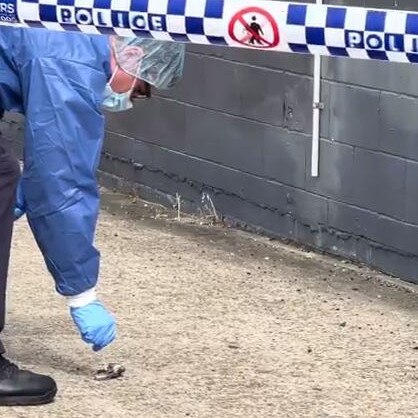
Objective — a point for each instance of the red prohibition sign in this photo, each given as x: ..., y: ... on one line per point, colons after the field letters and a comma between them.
x: 254, y: 35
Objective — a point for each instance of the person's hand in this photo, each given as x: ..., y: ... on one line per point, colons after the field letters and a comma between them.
x: 96, y: 325
x: 20, y: 206
x: 18, y: 213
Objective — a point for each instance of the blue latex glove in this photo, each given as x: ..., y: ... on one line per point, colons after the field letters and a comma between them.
x: 20, y: 206
x: 18, y: 213
x: 96, y: 325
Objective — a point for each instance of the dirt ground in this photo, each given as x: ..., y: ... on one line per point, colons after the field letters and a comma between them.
x: 218, y: 323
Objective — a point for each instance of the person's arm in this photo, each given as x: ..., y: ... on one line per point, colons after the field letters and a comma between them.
x: 63, y: 141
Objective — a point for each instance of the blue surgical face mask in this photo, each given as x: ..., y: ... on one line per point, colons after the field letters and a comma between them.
x: 116, y: 102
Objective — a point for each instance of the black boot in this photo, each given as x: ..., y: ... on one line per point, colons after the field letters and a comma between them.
x: 20, y: 387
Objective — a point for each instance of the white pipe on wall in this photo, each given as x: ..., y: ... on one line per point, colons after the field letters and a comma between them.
x: 317, y: 106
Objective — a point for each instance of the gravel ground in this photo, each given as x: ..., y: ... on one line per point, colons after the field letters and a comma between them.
x: 218, y: 323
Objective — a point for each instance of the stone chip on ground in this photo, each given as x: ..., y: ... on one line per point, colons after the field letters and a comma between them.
x: 110, y: 371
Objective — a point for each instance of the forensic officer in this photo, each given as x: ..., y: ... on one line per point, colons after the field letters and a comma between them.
x: 61, y: 82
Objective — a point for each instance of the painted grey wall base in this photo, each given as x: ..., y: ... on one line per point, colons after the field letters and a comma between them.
x: 261, y: 205
x: 252, y: 202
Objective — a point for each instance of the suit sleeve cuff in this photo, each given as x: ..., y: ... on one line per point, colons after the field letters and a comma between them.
x: 82, y: 299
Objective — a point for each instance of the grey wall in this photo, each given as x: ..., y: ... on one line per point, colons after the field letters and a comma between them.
x: 238, y: 128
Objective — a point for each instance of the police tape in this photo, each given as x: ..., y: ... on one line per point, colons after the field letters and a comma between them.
x: 354, y: 32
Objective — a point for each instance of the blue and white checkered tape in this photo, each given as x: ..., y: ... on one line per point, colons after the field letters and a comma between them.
x: 259, y: 24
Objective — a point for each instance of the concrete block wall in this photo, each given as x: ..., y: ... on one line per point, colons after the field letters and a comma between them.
x: 238, y: 128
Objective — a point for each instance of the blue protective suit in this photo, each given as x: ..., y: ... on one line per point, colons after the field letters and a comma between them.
x: 57, y: 80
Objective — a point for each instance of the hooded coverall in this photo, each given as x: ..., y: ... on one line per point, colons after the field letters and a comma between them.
x: 57, y: 81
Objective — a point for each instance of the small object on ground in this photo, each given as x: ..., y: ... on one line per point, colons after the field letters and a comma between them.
x: 111, y: 371
x: 233, y: 346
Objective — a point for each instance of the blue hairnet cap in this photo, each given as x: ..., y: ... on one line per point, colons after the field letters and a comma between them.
x: 160, y: 63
